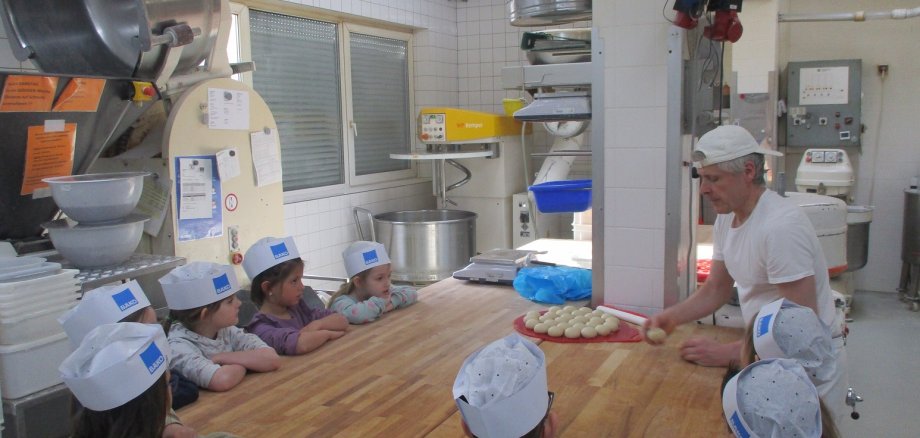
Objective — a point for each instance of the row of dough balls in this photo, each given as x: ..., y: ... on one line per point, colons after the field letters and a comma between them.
x: 572, y: 322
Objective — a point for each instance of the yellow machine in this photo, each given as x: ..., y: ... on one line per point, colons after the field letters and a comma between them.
x: 459, y: 126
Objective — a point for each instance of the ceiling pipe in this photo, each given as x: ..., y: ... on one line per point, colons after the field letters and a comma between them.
x: 895, y: 14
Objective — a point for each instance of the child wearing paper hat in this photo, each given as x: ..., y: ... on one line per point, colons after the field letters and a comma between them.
x: 784, y: 329
x: 118, y: 374
x: 285, y: 321
x: 203, y: 310
x: 368, y: 293
x: 125, y: 303
x: 775, y: 398
x: 501, y: 391
x: 107, y: 304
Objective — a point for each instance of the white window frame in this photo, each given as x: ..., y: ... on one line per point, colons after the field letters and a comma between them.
x: 348, y: 104
x: 353, y: 183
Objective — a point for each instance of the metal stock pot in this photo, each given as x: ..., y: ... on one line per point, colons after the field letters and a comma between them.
x: 423, y: 245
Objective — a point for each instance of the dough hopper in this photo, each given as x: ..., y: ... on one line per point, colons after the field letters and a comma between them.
x: 169, y: 43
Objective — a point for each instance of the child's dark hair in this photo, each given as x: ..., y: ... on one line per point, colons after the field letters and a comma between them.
x: 134, y: 317
x: 189, y: 317
x: 273, y: 276
x: 142, y: 417
x: 348, y: 287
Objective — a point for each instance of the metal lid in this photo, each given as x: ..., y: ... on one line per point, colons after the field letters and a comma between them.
x: 546, y: 12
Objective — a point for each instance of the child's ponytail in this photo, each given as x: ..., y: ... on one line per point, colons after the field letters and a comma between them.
x: 344, y: 289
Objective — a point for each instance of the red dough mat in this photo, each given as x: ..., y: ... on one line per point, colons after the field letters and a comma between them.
x: 626, y: 333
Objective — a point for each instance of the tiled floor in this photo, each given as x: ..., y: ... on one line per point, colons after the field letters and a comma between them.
x: 884, y: 363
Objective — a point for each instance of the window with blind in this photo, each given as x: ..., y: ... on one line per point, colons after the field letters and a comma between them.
x: 340, y: 94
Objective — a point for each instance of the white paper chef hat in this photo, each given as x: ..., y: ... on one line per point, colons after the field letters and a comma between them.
x: 362, y: 255
x: 115, y: 363
x: 198, y: 284
x: 772, y: 398
x: 504, y: 385
x: 103, y: 305
x: 268, y: 252
x: 784, y: 329
x: 726, y: 143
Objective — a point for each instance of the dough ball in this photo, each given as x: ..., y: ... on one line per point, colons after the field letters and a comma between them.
x: 595, y: 321
x: 569, y: 308
x: 551, y: 313
x: 578, y: 325
x: 529, y: 323
x: 608, y: 316
x: 541, y: 327
x: 544, y: 318
x: 588, y: 332
x: 566, y: 317
x: 563, y: 325
x: 555, y: 309
x: 598, y: 312
x: 612, y: 324
x: 656, y: 334
x: 584, y: 310
x: 532, y: 314
x: 580, y: 320
x: 555, y: 331
x: 572, y: 332
x: 602, y: 330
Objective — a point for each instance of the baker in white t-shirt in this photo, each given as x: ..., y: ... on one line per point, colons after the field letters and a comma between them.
x: 761, y: 241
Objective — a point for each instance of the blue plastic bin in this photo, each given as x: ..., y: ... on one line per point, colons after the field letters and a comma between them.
x: 563, y: 196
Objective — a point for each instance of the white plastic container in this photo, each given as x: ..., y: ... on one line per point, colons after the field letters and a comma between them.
x: 32, y: 285
x: 31, y: 326
x: 32, y: 366
x: 62, y: 297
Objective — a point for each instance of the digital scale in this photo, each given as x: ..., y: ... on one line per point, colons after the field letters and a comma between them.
x: 496, y: 266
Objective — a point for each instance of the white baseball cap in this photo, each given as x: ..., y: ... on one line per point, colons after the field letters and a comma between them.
x: 725, y: 143
x: 198, y: 284
x: 503, y: 386
x: 784, y: 329
x: 268, y: 252
x: 772, y: 398
x: 115, y: 363
x: 103, y: 305
x: 362, y: 255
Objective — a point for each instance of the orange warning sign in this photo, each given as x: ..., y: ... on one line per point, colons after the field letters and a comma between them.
x: 80, y: 94
x: 47, y: 154
x: 28, y: 94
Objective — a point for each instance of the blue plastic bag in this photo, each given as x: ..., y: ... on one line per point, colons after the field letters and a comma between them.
x: 553, y: 284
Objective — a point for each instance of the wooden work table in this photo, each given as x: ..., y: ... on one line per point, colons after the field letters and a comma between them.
x: 393, y: 377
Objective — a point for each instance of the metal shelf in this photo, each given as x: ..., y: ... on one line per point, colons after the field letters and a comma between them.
x: 136, y: 266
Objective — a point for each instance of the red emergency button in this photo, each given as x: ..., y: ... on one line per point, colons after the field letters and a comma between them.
x: 149, y: 91
x: 424, y: 136
x: 236, y: 258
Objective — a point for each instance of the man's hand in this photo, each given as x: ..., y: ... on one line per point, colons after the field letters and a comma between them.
x: 710, y: 353
x: 662, y: 321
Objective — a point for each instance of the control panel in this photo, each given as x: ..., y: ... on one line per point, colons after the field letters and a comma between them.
x: 824, y: 103
x: 432, y: 127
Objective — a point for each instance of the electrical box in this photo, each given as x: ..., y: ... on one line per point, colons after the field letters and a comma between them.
x: 824, y: 103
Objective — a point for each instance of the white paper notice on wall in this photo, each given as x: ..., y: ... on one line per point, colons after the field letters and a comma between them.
x: 228, y: 164
x: 265, y: 156
x: 824, y: 86
x: 194, y: 188
x: 228, y: 109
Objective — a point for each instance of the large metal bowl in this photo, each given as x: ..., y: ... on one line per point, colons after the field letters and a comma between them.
x: 548, y: 12
x: 96, y: 246
x: 97, y: 197
x: 560, y: 46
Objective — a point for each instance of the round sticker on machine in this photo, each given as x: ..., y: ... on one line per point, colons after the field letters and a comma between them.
x: 231, y: 202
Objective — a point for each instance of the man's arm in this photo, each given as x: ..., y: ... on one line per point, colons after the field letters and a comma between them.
x: 801, y: 291
x: 714, y: 293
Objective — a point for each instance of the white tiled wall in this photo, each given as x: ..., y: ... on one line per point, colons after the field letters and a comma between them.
x: 635, y: 70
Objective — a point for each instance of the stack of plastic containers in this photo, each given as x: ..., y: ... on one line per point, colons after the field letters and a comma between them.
x: 33, y: 294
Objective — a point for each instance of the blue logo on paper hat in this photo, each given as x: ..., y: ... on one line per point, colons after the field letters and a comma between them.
x: 370, y: 257
x: 738, y: 426
x: 124, y: 300
x: 763, y: 325
x: 280, y: 250
x: 152, y: 358
x: 221, y: 284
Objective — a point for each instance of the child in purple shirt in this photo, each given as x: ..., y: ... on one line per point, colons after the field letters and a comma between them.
x: 284, y: 320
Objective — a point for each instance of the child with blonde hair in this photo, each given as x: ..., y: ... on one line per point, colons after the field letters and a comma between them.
x: 203, y: 310
x: 368, y: 293
x: 284, y: 321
